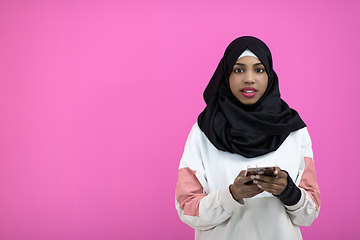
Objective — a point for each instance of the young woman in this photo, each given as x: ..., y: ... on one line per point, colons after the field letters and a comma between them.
x: 244, y: 123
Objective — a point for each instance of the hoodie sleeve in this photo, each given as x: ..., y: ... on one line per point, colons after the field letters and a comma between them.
x: 307, y: 209
x: 196, y: 207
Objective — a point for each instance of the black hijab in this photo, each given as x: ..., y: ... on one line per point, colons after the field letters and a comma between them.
x: 248, y: 130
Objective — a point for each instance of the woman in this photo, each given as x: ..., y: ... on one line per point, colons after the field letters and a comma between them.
x: 246, y: 122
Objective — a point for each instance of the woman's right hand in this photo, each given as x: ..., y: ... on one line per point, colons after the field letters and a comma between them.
x: 240, y: 190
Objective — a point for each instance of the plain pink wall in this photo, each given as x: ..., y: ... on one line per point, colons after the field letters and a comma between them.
x: 97, y: 98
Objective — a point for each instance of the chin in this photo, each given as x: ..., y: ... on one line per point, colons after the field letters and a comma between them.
x: 248, y: 102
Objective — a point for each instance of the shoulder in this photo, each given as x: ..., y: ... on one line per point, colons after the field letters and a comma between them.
x: 302, y: 139
x: 196, y: 132
x: 198, y: 137
x: 301, y: 134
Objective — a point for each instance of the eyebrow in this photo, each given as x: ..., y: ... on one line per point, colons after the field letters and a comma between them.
x: 241, y: 64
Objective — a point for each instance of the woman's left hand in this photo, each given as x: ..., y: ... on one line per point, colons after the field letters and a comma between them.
x: 274, y: 185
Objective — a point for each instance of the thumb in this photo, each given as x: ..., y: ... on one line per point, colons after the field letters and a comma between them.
x: 242, y: 173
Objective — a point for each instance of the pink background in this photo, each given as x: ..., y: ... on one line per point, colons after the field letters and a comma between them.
x: 97, y: 99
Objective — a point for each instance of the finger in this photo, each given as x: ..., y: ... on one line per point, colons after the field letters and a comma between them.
x: 276, y: 182
x: 264, y: 178
x: 268, y: 187
x: 275, y: 186
x: 242, y: 173
x: 277, y: 171
x: 254, y: 190
x: 282, y: 174
x: 243, y: 181
x: 244, y: 191
x: 241, y: 178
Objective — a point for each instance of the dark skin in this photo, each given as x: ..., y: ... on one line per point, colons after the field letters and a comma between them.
x: 275, y: 185
x: 248, y: 71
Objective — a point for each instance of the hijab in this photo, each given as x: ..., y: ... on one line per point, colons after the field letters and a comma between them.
x: 248, y: 130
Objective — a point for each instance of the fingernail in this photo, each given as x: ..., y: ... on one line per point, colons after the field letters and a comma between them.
x: 252, y: 176
x: 255, y: 181
x: 259, y: 186
x: 257, y: 177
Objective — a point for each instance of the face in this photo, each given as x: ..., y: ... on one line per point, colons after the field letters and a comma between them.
x: 248, y: 80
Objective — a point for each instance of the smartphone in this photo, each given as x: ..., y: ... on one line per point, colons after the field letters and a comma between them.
x: 260, y: 169
x: 263, y: 169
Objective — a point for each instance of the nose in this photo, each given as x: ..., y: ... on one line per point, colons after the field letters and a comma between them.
x: 249, y: 78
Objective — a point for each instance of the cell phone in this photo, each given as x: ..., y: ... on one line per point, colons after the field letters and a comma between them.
x: 263, y: 169
x: 260, y: 169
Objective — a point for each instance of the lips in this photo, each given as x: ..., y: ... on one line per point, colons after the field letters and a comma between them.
x: 248, y: 92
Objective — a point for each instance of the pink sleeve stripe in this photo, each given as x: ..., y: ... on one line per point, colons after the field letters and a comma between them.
x: 309, y: 183
x: 189, y: 192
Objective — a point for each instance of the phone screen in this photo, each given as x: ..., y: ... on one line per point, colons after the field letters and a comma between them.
x: 267, y: 170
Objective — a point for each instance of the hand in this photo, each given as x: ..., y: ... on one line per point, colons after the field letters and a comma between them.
x: 274, y: 185
x: 240, y: 190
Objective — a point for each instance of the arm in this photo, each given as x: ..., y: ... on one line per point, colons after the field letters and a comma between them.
x: 302, y: 198
x: 195, y: 207
x: 301, y: 203
x: 307, y: 209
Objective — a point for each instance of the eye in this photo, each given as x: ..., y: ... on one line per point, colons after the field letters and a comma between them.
x: 259, y: 70
x: 238, y: 70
